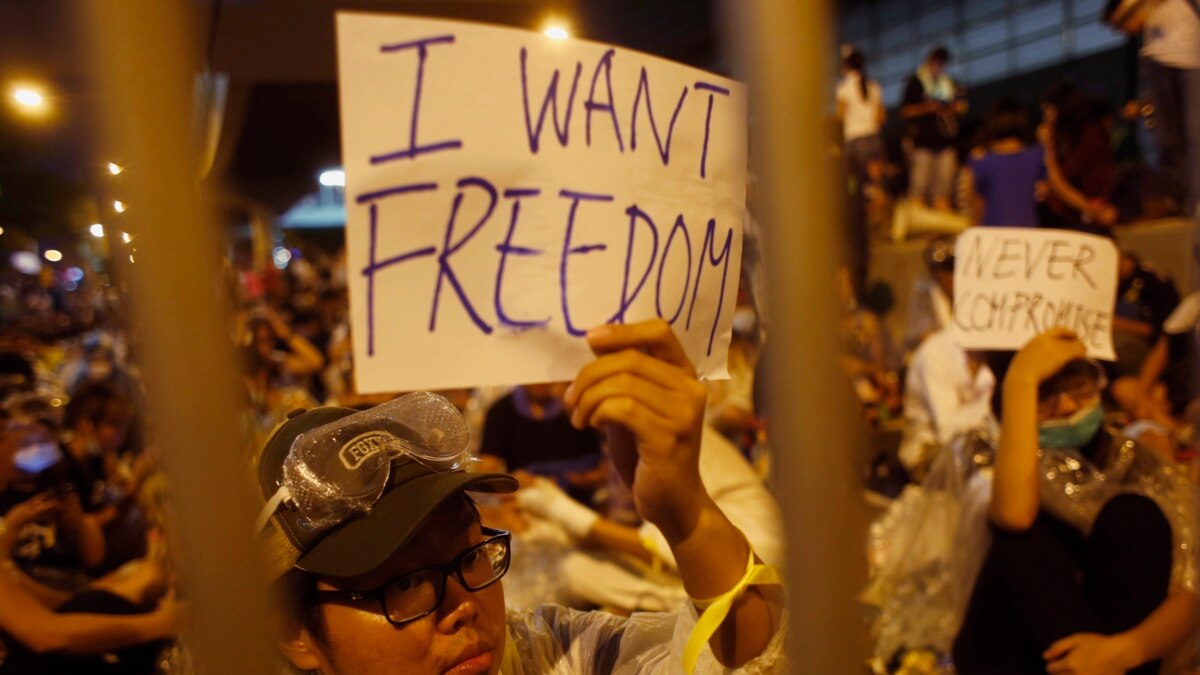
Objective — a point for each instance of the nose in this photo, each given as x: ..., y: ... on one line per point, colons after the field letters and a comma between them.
x: 458, y: 609
x: 1065, y: 406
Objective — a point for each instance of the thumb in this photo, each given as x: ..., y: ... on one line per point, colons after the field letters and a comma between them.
x: 1061, y: 647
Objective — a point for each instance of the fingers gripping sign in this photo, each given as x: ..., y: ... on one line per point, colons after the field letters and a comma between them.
x: 642, y: 390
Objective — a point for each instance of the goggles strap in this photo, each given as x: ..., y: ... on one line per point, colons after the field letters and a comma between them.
x: 271, y: 507
x: 714, y: 610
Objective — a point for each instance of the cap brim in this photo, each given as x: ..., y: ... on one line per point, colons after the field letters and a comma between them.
x: 368, y: 541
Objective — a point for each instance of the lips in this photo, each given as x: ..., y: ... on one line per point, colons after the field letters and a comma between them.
x: 472, y: 662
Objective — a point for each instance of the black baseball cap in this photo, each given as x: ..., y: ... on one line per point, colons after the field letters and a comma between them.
x: 362, y: 541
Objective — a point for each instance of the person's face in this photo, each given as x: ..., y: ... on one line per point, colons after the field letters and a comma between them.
x: 264, y: 338
x: 464, y: 636
x: 936, y: 67
x: 1072, y: 396
x: 111, y: 431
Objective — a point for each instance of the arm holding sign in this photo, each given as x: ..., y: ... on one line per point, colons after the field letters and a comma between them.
x: 1015, y: 495
x: 643, y: 391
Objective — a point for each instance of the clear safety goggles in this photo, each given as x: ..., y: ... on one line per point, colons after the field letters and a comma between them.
x: 341, y: 469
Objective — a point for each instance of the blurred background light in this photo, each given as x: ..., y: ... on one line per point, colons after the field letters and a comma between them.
x: 332, y: 178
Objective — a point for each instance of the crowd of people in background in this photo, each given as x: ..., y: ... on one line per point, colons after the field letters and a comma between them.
x: 84, y: 572
x: 987, y: 464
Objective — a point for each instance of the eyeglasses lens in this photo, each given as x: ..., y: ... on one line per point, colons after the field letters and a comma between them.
x: 417, y: 594
x: 412, y: 595
x: 484, y: 565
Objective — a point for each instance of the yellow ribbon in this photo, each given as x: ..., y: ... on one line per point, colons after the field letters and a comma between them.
x: 656, y: 563
x: 714, y: 610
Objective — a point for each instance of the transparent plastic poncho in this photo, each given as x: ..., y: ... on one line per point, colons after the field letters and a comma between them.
x: 555, y: 640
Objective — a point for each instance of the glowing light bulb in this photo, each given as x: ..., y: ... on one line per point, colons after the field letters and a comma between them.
x: 28, y: 97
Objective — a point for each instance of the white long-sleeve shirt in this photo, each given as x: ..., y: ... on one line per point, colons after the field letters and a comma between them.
x: 942, y: 398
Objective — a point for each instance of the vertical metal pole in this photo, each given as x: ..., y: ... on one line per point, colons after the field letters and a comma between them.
x: 145, y: 62
x: 786, y: 49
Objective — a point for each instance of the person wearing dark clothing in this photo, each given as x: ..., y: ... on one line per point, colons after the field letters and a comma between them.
x: 1091, y: 566
x: 931, y: 107
x: 1145, y: 298
x: 1077, y: 142
x: 529, y: 430
x: 1015, y: 615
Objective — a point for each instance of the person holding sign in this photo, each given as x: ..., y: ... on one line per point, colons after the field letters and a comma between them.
x: 1092, y: 567
x: 383, y: 566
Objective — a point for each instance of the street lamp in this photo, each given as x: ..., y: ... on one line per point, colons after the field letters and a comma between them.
x: 97, y: 230
x: 114, y: 168
x: 556, y: 32
x: 53, y: 255
x: 29, y: 99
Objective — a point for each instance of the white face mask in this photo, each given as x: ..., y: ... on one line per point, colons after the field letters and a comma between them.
x: 744, y: 321
x: 37, y: 457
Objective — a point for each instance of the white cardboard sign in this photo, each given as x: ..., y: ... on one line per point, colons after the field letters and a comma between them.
x: 1012, y: 283
x: 506, y: 191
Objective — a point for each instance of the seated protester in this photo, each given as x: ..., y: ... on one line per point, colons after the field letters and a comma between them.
x: 1165, y: 385
x: 100, y: 366
x: 1145, y: 299
x: 947, y: 391
x: 33, y: 635
x: 629, y: 568
x: 383, y: 566
x: 530, y: 430
x: 1093, y: 566
x: 66, y: 543
x: 930, y: 303
x: 865, y: 354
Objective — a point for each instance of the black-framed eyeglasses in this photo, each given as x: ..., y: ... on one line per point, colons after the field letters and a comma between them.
x: 1079, y: 390
x: 420, y: 592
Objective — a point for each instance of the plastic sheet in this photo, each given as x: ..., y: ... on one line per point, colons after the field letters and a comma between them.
x: 925, y: 551
x: 553, y: 640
